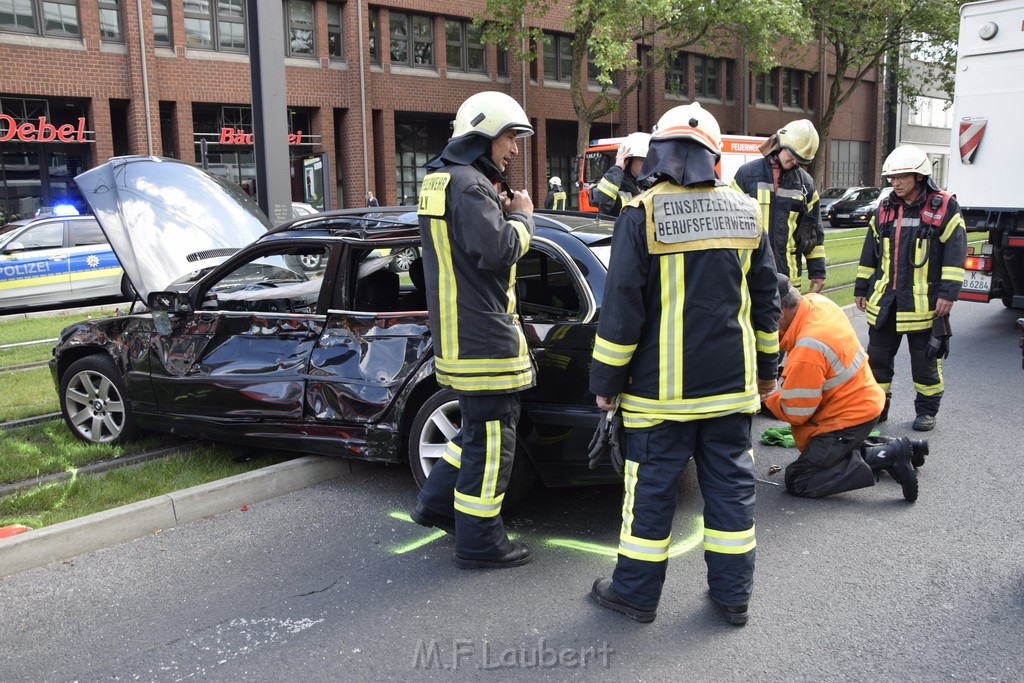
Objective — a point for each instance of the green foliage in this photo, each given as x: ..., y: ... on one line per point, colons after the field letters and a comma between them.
x: 27, y: 393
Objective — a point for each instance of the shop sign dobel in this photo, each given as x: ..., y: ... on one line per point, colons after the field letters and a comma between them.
x: 41, y: 131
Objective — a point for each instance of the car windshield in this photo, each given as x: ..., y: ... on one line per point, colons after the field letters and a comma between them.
x: 833, y: 192
x: 866, y: 195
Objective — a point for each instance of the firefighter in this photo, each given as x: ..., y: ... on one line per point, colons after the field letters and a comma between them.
x: 832, y: 401
x: 788, y: 201
x: 911, y: 270
x: 619, y: 183
x: 556, y: 195
x: 474, y: 228
x: 686, y: 340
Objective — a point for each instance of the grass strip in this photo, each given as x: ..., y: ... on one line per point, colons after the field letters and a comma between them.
x: 80, y: 496
x: 27, y: 393
x: 14, y: 329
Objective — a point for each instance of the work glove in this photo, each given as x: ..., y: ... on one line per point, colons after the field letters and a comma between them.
x: 605, y: 442
x: 938, y: 345
x: 778, y: 436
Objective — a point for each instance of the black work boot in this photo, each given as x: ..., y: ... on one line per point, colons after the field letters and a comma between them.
x: 885, y: 410
x: 919, y: 447
x: 924, y: 423
x: 896, y: 458
x: 604, y: 595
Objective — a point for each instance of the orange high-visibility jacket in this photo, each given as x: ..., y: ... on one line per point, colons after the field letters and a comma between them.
x: 826, y: 383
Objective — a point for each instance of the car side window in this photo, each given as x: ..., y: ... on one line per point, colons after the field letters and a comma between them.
x: 546, y: 288
x: 45, y: 236
x: 384, y: 281
x: 281, y: 281
x: 84, y: 233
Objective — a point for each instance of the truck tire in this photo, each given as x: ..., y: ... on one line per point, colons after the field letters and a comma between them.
x: 439, y: 420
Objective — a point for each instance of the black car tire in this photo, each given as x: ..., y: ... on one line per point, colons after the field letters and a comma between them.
x: 127, y: 290
x: 94, y: 402
x: 439, y: 420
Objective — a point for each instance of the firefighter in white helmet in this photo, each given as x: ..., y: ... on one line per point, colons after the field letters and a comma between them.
x: 619, y: 183
x: 474, y: 229
x: 789, y: 202
x: 556, y: 195
x: 911, y: 270
x: 688, y: 335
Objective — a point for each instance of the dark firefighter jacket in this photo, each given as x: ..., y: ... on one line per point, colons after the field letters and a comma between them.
x: 615, y: 189
x: 908, y: 263
x: 827, y: 384
x: 689, y: 319
x: 470, y: 249
x: 556, y: 199
x: 791, y: 215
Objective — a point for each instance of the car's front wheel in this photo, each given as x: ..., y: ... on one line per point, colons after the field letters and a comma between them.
x: 94, y: 402
x: 437, y: 422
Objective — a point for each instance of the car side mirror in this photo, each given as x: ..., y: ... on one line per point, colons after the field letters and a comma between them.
x: 14, y: 247
x: 169, y: 302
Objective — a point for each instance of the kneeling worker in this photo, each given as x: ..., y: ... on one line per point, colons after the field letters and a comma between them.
x: 832, y: 400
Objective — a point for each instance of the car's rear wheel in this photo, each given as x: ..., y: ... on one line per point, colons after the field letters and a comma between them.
x: 440, y: 420
x: 127, y: 290
x: 94, y: 402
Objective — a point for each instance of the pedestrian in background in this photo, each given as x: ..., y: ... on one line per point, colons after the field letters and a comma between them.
x: 788, y: 201
x: 619, y: 183
x: 686, y: 340
x: 556, y: 195
x: 832, y: 401
x: 474, y: 229
x: 910, y: 274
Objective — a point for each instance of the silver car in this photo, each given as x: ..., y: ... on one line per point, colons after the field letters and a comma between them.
x: 57, y: 260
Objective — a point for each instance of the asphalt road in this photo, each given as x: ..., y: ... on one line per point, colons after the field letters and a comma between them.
x: 333, y: 583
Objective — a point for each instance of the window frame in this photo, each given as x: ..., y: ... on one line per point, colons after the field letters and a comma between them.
x: 336, y: 32
x: 291, y: 25
x: 409, y: 19
x: 763, y: 80
x: 39, y: 24
x: 217, y: 18
x: 115, y: 7
x: 793, y: 86
x: 677, y: 74
x: 555, y: 47
x: 465, y: 45
x: 165, y: 12
x: 706, y: 70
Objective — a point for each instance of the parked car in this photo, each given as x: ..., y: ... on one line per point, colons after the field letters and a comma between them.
x: 57, y: 260
x: 831, y: 195
x: 857, y: 208
x: 247, y: 346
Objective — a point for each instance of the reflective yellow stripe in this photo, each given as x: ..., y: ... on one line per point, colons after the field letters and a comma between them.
x: 447, y: 289
x: 492, y: 459
x: 505, y: 382
x: 482, y: 365
x: 452, y: 454
x: 478, y: 506
x: 523, y: 233
x: 637, y: 408
x: 670, y: 328
x: 605, y: 187
x: 920, y: 276
x: 767, y: 342
x: 933, y: 389
x: 630, y: 475
x: 644, y: 549
x: 864, y: 272
x: 955, y: 222
x: 729, y: 542
x: 952, y: 273
x: 611, y: 353
x: 817, y: 252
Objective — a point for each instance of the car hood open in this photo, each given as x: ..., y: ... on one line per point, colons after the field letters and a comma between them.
x: 165, y: 218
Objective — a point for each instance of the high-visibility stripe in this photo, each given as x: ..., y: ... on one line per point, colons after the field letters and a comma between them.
x: 729, y: 542
x: 630, y: 476
x: 471, y: 383
x: 955, y: 222
x: 767, y: 342
x: 672, y: 283
x: 644, y: 549
x: 523, y: 233
x: 478, y: 506
x: 447, y: 289
x: 817, y: 252
x: 479, y: 365
x: 452, y: 454
x: 953, y: 273
x: 492, y: 459
x: 864, y: 272
x: 605, y: 187
x: 707, y: 404
x: 611, y: 353
x: 801, y: 393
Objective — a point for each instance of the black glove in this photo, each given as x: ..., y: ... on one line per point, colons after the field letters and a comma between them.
x: 938, y: 345
x: 605, y: 442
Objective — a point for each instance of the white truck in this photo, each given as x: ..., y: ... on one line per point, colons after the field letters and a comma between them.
x: 986, y: 168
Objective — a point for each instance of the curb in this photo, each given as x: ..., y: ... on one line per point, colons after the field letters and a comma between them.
x: 63, y: 541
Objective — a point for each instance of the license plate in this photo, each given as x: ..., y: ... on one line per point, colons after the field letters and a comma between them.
x: 976, y: 281
x: 843, y: 215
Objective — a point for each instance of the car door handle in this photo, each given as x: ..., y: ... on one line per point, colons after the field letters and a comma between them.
x: 59, y: 257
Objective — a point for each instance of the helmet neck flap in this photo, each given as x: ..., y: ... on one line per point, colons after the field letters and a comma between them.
x: 684, y: 161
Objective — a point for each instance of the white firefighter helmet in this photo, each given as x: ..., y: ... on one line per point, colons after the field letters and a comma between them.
x: 555, y: 180
x: 907, y: 159
x: 490, y: 114
x: 690, y: 122
x: 800, y: 139
x: 636, y: 145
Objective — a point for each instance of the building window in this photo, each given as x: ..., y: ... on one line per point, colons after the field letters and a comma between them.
x: 764, y: 87
x: 705, y: 77
x: 299, y: 15
x: 730, y: 80
x: 57, y: 18
x: 335, y: 44
x: 465, y: 49
x: 110, y: 21
x: 851, y: 163
x: 215, y: 25
x: 931, y: 112
x: 374, y: 42
x: 675, y: 74
x: 793, y: 88
x: 161, y: 22
x: 557, y: 57
x: 501, y: 57
x: 412, y: 39
x: 416, y: 141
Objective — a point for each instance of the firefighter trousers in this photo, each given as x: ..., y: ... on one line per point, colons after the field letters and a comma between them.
x: 470, y: 480
x: 831, y: 463
x: 655, y: 459
x: 884, y: 342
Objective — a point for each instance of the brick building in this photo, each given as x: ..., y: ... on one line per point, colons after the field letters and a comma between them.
x: 370, y: 86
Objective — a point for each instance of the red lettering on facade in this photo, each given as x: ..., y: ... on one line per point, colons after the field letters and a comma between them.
x: 41, y: 131
x: 237, y: 136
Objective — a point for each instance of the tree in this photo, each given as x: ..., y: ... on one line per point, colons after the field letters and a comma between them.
x: 876, y: 36
x: 606, y: 32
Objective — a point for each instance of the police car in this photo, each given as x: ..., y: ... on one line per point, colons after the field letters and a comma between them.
x: 57, y: 260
